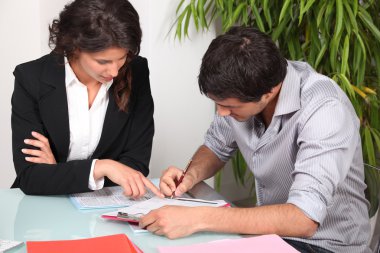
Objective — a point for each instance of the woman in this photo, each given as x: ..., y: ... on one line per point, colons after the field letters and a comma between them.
x: 82, y: 116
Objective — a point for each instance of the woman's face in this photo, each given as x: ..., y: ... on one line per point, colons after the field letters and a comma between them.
x: 101, y: 66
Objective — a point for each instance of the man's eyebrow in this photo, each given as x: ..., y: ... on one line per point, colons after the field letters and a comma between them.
x: 229, y: 106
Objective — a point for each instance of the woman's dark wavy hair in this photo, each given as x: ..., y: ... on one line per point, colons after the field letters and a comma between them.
x: 95, y: 25
x: 244, y: 63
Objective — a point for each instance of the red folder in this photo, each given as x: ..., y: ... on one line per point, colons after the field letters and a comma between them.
x: 118, y: 243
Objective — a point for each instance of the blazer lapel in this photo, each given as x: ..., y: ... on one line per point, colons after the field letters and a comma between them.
x: 53, y: 106
x: 114, y: 123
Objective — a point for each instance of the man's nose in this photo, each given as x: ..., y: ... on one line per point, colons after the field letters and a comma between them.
x: 223, y: 111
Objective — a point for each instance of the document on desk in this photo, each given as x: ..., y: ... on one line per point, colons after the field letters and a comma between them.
x: 108, y: 197
x: 133, y: 213
x: 145, y: 207
x: 263, y: 243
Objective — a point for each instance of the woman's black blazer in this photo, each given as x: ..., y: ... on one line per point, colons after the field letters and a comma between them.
x: 39, y: 103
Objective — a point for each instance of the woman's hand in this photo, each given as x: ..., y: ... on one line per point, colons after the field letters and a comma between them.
x: 132, y: 181
x: 41, y: 155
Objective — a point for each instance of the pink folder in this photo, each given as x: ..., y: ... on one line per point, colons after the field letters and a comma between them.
x: 260, y: 244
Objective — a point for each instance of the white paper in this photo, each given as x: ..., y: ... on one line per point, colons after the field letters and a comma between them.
x: 108, y: 197
x: 145, y: 207
x: 8, y: 244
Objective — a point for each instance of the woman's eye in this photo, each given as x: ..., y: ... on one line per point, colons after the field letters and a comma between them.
x: 101, y: 62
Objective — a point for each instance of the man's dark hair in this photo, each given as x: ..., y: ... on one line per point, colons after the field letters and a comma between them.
x: 244, y: 63
x: 95, y: 25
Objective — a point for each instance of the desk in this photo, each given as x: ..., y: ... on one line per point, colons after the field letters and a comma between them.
x: 37, y: 218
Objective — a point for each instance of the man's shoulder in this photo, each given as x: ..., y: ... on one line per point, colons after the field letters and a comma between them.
x: 316, y: 86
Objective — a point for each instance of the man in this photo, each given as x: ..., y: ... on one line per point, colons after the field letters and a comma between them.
x: 299, y: 135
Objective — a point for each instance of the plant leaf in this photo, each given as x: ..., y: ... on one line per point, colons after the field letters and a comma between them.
x: 238, y: 11
x: 284, y: 10
x: 179, y: 6
x: 369, y: 146
x: 259, y: 21
x: 346, y: 51
x: 267, y: 13
x: 364, y: 16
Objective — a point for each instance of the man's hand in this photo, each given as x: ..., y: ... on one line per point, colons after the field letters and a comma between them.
x: 173, y: 221
x: 132, y: 181
x: 41, y: 155
x: 169, y: 181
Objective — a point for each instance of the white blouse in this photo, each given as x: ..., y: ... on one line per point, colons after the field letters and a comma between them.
x: 86, y: 124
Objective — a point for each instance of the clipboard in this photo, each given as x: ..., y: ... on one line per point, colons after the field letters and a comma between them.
x: 121, y: 216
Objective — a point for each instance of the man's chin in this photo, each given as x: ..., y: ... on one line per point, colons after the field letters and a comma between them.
x: 240, y: 119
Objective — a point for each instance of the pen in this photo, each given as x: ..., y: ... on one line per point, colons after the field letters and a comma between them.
x: 181, y: 178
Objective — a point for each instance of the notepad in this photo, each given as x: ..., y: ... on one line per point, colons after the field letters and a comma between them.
x: 118, y: 243
x: 262, y: 244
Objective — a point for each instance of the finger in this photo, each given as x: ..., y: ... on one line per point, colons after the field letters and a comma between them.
x: 158, y: 231
x: 168, y: 180
x: 135, y: 190
x: 147, y: 220
x: 127, y: 189
x: 40, y: 137
x: 165, y: 189
x: 33, y: 152
x: 140, y: 185
x: 152, y: 187
x: 35, y: 143
x: 183, y: 187
x: 35, y: 159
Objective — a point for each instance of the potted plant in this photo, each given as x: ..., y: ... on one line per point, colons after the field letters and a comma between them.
x: 340, y: 39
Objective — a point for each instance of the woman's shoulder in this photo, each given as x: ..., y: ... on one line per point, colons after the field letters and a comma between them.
x: 37, y: 65
x: 139, y: 64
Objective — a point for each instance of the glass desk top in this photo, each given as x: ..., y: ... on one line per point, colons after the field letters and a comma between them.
x: 39, y: 218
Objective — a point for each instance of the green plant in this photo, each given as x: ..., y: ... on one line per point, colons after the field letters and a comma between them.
x: 339, y: 38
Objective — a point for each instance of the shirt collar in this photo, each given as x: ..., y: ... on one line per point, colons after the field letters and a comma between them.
x: 289, y: 99
x: 71, y: 78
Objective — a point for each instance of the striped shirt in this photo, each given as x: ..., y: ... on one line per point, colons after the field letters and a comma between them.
x: 310, y: 156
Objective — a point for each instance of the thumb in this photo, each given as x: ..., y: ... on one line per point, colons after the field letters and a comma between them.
x: 186, y: 185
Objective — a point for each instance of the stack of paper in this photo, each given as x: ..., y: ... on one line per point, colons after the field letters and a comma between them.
x: 108, y: 197
x: 260, y: 244
x: 113, y: 243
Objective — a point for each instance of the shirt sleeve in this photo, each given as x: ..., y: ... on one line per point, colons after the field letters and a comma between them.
x: 219, y: 138
x: 327, y: 141
x: 92, y: 183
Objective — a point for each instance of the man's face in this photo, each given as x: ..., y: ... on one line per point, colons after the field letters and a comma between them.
x: 240, y: 111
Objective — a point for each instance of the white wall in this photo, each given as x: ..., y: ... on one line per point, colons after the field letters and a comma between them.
x: 182, y: 115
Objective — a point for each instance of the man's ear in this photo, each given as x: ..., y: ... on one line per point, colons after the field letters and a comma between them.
x: 273, y: 92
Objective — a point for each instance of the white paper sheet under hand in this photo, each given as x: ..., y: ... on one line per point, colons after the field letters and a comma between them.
x: 145, y: 207
x: 108, y: 197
